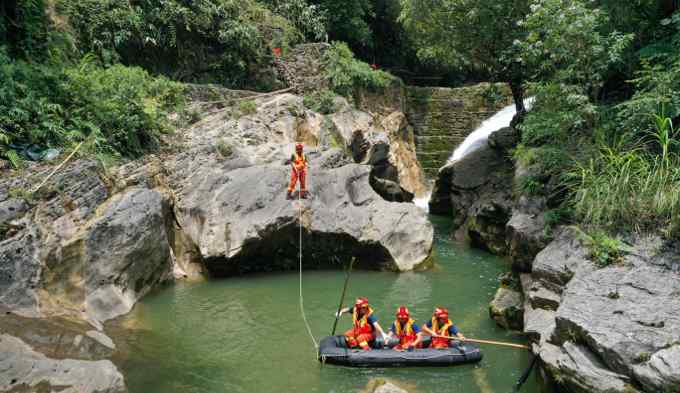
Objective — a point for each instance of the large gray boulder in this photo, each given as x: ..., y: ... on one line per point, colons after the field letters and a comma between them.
x: 233, y: 210
x: 78, y: 250
x: 23, y: 369
x: 624, y: 317
x: 580, y: 371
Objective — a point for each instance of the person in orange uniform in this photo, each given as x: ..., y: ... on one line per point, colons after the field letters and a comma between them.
x: 364, y: 325
x: 406, y: 330
x: 298, y: 162
x: 441, y: 325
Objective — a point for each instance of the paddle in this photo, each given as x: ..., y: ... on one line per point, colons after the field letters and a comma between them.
x: 342, y: 297
x: 472, y: 340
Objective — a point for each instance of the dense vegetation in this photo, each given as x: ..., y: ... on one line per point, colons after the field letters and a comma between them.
x: 600, y: 138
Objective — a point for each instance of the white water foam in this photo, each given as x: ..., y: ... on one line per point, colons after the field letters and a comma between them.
x: 423, y: 202
x: 479, y: 136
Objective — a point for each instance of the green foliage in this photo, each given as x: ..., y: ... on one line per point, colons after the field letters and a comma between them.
x: 123, y: 109
x: 529, y: 185
x: 626, y: 188
x: 347, y: 20
x: 247, y: 107
x: 657, y: 89
x: 603, y: 249
x: 565, y: 42
x: 310, y: 19
x: 224, y: 41
x: 559, y: 112
x: 321, y: 101
x: 347, y: 74
x: 224, y: 149
x: 467, y: 34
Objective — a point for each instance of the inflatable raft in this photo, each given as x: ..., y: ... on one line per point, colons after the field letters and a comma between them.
x: 333, y: 350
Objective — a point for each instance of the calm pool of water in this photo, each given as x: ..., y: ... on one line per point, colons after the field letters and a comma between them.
x: 246, y: 334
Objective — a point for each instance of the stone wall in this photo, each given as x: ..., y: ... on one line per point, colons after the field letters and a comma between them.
x: 444, y: 117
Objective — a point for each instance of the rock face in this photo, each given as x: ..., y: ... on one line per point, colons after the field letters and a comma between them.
x: 615, y: 328
x: 476, y: 191
x: 238, y: 224
x: 75, y: 252
x: 506, y: 308
x: 26, y: 370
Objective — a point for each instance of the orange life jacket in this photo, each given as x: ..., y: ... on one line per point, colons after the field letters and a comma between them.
x: 299, y: 160
x: 443, y: 331
x: 406, y: 334
x: 361, y: 325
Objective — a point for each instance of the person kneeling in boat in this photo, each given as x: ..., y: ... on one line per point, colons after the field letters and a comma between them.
x: 364, y: 325
x: 441, y: 329
x: 406, y: 331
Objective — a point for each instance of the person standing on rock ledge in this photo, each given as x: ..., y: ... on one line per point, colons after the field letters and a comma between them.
x: 298, y: 162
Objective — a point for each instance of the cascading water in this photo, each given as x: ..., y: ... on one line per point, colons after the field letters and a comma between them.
x: 480, y: 136
x: 477, y: 139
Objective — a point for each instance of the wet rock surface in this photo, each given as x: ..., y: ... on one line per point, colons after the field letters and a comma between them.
x: 506, y: 308
x: 24, y: 370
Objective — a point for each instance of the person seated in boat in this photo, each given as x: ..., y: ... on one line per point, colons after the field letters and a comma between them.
x: 405, y: 330
x: 441, y: 329
x: 364, y: 325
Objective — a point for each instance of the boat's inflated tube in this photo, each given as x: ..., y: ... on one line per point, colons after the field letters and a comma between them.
x: 333, y: 350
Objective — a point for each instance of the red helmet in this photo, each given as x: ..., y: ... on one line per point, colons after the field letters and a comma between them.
x: 402, y: 312
x: 361, y: 302
x: 441, y: 312
x: 298, y: 146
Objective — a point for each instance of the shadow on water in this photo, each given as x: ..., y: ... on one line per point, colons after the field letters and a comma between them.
x: 245, y: 334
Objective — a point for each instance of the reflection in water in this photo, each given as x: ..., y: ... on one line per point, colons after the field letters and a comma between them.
x: 245, y: 334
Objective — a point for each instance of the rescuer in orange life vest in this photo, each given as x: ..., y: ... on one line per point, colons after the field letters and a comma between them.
x: 298, y: 162
x: 406, y: 330
x: 364, y: 325
x: 441, y: 325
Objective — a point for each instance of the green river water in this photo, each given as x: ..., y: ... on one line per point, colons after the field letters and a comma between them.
x: 246, y: 334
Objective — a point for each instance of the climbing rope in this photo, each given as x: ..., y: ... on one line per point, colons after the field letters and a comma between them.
x: 302, y: 301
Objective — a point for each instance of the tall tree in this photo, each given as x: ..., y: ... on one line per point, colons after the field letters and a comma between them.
x: 471, y: 34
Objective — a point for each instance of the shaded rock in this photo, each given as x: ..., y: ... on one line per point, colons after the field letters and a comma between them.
x: 506, y: 309
x: 539, y: 324
x: 526, y: 238
x: 503, y: 139
x: 476, y: 191
x: 57, y: 337
x: 25, y: 369
x: 580, y: 371
x: 562, y: 259
x: 126, y: 253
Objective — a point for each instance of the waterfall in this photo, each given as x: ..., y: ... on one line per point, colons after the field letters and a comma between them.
x: 424, y: 201
x: 477, y: 139
x: 479, y: 136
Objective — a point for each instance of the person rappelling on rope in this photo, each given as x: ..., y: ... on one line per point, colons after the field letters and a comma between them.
x: 298, y: 163
x: 441, y: 329
x: 405, y: 330
x: 364, y: 325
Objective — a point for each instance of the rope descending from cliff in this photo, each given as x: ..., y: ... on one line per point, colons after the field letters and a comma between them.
x: 302, y: 301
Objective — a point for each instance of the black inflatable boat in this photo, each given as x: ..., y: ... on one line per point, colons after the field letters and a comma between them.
x: 333, y: 350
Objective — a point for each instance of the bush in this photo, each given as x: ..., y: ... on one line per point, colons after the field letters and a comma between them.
x: 604, y: 250
x: 123, y: 109
x: 224, y: 41
x: 247, y: 107
x: 347, y: 74
x: 321, y: 101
